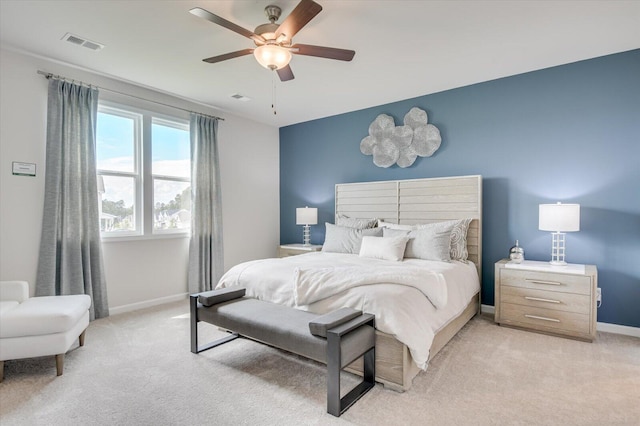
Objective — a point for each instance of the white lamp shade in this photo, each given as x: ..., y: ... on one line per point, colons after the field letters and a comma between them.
x: 306, y: 216
x: 272, y: 56
x: 559, y: 217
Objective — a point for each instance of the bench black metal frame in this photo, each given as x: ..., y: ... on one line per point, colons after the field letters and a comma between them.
x: 335, y: 405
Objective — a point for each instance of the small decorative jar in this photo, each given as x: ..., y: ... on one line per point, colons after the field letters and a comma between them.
x: 516, y: 254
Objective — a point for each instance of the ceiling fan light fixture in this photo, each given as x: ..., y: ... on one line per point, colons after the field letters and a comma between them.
x: 274, y: 44
x: 272, y: 56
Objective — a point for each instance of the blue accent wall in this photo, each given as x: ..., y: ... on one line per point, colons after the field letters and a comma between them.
x: 569, y: 133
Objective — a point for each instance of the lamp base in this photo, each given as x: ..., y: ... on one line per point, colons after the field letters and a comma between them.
x: 558, y: 249
x: 306, y: 236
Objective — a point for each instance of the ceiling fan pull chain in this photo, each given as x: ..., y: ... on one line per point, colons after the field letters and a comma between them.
x: 273, y: 92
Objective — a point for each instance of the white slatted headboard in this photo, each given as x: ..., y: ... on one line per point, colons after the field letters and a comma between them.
x: 418, y: 201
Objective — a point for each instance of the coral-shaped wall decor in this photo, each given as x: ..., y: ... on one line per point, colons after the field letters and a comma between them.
x: 390, y: 144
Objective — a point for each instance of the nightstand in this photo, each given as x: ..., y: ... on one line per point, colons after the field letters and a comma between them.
x: 286, y: 250
x: 559, y: 300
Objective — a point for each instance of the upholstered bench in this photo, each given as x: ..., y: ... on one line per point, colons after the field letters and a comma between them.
x: 336, y: 339
x: 39, y: 326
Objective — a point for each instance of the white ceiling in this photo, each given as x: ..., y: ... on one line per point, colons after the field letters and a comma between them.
x: 404, y: 49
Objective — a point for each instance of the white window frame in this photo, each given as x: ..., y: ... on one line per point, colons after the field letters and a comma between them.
x: 176, y: 124
x: 137, y: 116
x: 143, y: 176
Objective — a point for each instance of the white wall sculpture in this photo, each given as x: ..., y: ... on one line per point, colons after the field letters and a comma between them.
x: 390, y: 144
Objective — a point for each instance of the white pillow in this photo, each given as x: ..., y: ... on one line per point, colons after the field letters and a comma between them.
x: 459, y: 229
x: 351, y: 222
x: 430, y: 242
x: 384, y: 248
x: 340, y: 239
x: 458, y: 242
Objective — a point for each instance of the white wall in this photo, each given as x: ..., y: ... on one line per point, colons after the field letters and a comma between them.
x: 138, y: 272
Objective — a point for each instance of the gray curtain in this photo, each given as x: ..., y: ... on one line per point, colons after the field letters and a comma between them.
x: 70, y: 259
x: 206, y: 261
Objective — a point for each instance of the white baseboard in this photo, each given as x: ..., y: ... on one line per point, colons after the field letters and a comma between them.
x: 600, y: 326
x: 147, y: 304
x: 488, y: 309
x: 618, y: 329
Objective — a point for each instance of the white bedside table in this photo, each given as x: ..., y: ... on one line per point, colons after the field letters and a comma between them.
x: 286, y: 250
x: 559, y: 300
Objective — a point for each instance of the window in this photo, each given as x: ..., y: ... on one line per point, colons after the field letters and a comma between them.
x: 171, y: 169
x: 144, y: 169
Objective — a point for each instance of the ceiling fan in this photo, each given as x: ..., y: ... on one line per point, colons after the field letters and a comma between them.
x: 273, y: 42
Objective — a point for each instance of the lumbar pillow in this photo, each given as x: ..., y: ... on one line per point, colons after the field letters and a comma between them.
x: 340, y: 239
x: 391, y: 248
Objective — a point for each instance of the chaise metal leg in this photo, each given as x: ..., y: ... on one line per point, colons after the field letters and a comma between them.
x: 333, y: 375
x: 193, y: 310
x: 193, y: 315
x: 336, y: 405
x: 81, y: 338
x: 1, y: 371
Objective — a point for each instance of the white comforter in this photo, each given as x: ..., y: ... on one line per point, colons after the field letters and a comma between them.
x: 311, y: 285
x: 412, y: 310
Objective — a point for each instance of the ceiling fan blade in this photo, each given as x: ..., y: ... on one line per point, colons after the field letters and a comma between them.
x: 323, y: 52
x: 285, y: 73
x: 205, y: 14
x: 230, y: 55
x: 304, y: 12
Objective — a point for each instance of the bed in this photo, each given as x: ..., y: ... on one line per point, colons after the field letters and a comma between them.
x: 411, y: 329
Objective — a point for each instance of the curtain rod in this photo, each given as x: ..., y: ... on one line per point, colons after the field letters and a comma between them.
x: 49, y: 75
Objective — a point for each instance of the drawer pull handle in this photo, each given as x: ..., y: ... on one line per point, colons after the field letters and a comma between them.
x: 540, y: 299
x: 544, y: 282
x: 541, y: 318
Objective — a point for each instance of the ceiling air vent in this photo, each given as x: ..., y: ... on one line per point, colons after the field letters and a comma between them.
x: 79, y: 41
x: 240, y: 97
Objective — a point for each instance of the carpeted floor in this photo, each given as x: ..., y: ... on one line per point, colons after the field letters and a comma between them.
x: 136, y: 369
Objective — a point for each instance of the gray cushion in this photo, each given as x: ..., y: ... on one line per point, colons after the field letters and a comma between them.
x: 320, y: 325
x: 283, y: 327
x: 340, y: 239
x: 210, y: 298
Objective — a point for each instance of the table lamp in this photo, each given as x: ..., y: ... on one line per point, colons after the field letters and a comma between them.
x: 559, y: 218
x: 306, y: 216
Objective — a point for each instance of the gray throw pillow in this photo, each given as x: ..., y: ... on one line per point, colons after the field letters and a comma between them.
x: 341, y: 239
x: 459, y: 240
x: 351, y: 222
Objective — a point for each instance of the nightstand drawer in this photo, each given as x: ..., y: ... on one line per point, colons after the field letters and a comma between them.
x: 286, y: 250
x: 541, y: 319
x: 548, y: 281
x: 554, y: 300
